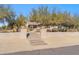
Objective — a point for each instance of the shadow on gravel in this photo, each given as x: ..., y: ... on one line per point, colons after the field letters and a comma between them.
x: 70, y: 50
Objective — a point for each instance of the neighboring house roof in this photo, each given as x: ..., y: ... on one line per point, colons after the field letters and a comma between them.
x: 33, y: 23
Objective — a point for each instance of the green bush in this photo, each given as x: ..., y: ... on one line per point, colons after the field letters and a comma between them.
x: 4, y: 27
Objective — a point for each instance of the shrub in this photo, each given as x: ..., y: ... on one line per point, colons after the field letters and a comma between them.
x: 5, y: 31
x: 14, y: 30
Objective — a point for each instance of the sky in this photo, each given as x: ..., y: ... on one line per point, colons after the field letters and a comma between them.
x: 25, y: 9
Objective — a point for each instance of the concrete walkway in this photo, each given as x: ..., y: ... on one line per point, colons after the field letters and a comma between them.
x: 16, y: 42
x: 35, y: 39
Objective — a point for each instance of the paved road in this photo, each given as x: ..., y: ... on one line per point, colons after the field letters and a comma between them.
x: 71, y: 50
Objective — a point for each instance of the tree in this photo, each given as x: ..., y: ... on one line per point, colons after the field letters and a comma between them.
x: 40, y: 15
x: 6, y: 14
x: 33, y: 16
x: 11, y: 24
x: 68, y: 20
x: 21, y: 21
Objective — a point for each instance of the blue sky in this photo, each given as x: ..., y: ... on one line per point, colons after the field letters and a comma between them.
x: 25, y: 9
